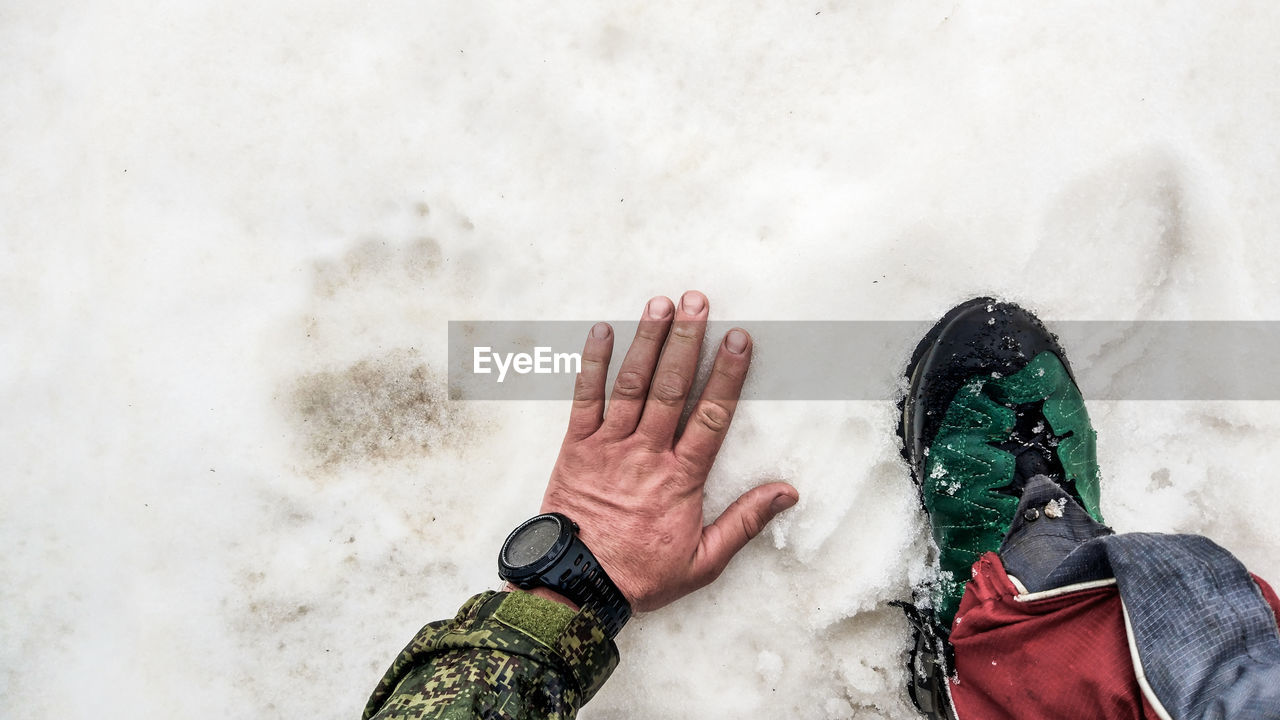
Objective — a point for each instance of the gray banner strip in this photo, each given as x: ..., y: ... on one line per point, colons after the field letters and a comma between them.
x: 865, y: 360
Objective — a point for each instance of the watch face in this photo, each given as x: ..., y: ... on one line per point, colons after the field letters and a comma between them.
x: 532, y: 542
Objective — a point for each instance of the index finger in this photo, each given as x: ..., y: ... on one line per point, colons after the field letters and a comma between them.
x: 588, y: 388
x: 710, y: 420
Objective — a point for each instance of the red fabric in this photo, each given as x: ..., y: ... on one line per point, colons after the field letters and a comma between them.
x: 1063, y: 657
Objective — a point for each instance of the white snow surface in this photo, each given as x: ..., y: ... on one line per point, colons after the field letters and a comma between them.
x: 213, y: 211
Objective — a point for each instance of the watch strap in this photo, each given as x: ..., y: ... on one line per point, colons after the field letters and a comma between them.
x: 579, y: 577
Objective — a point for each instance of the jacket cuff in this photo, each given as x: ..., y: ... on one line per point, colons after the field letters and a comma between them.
x: 576, y: 640
x: 543, y: 630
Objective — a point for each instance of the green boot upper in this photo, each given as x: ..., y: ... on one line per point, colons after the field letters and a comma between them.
x: 965, y: 471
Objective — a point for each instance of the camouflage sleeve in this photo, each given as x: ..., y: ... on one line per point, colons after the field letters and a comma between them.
x: 506, y: 655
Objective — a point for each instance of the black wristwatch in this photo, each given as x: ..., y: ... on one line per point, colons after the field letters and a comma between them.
x: 545, y: 552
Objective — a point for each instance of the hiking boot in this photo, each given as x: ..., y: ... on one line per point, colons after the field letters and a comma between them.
x: 991, y: 404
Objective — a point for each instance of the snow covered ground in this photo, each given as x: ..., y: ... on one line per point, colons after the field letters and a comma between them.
x: 220, y: 218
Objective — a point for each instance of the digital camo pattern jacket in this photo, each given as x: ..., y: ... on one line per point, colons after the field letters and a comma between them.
x: 506, y: 656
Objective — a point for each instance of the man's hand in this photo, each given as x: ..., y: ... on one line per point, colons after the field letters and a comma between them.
x: 633, y: 487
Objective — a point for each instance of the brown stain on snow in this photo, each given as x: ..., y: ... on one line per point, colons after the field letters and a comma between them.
x: 381, y: 408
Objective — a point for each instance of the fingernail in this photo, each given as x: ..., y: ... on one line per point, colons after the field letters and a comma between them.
x: 780, y: 503
x: 659, y: 308
x: 735, y: 342
x: 600, y: 330
x: 692, y: 303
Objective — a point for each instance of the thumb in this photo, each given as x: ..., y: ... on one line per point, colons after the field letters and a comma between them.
x: 740, y: 522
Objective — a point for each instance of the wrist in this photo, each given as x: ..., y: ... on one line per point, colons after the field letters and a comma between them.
x: 547, y: 594
x: 545, y: 552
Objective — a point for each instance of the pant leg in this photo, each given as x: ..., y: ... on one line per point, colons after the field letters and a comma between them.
x: 1050, y: 655
x: 1066, y: 647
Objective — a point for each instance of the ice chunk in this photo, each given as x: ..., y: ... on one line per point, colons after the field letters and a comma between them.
x: 1055, y: 508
